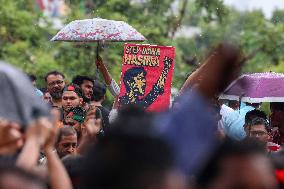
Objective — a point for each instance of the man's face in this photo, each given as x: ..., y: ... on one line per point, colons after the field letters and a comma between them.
x: 70, y: 100
x: 139, y: 84
x: 67, y: 145
x: 47, y: 97
x: 259, y: 132
x: 87, y: 89
x: 73, y: 123
x: 55, y: 86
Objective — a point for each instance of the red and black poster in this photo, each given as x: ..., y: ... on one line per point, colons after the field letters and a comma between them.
x: 146, y: 77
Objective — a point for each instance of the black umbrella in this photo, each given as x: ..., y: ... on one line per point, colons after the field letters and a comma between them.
x: 18, y: 100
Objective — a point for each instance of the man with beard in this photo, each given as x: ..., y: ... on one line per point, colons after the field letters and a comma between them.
x: 71, y: 98
x: 86, y: 84
x: 55, y: 84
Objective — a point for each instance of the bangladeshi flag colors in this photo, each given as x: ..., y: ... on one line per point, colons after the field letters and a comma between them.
x: 146, y: 76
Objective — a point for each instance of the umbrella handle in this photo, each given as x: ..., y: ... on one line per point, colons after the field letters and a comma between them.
x: 97, y: 56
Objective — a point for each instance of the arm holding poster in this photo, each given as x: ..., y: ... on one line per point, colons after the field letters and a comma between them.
x: 110, y: 82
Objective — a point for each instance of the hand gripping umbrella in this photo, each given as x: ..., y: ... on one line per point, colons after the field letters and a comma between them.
x: 98, y: 30
x: 257, y: 87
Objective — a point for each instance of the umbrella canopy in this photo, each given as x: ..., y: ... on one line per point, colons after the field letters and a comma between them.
x: 97, y: 29
x: 257, y: 87
x: 18, y: 99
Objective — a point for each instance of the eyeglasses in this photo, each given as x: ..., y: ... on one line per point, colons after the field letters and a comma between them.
x: 58, y: 82
x: 258, y: 133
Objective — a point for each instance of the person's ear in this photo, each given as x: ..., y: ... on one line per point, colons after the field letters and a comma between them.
x: 81, y: 101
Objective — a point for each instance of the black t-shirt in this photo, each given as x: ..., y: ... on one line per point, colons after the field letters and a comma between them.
x: 105, y: 120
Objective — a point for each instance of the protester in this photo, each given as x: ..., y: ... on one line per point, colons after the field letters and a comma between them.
x: 73, y: 165
x: 234, y: 122
x: 233, y: 165
x: 55, y: 84
x: 47, y: 97
x: 110, y: 82
x: 33, y: 79
x: 97, y: 100
x: 86, y: 84
x: 67, y: 142
x: 71, y: 98
x: 257, y: 127
x: 277, y: 122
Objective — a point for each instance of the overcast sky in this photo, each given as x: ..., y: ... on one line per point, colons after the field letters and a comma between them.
x: 267, y: 6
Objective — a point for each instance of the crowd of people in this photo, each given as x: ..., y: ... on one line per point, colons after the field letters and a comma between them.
x: 62, y: 136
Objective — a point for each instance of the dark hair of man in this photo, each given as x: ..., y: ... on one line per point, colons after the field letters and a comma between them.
x: 126, y: 158
x: 32, y: 77
x: 79, y: 79
x: 253, y: 114
x: 53, y: 73
x: 99, y: 91
x: 65, y: 131
x: 18, y: 172
x: 73, y: 166
x: 228, y: 148
x: 277, y: 106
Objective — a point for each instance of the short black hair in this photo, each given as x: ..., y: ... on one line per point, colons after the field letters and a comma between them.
x: 73, y: 166
x: 75, y: 88
x: 32, y: 77
x: 99, y: 91
x: 253, y: 114
x: 228, y: 148
x: 65, y: 131
x: 53, y: 73
x: 79, y: 79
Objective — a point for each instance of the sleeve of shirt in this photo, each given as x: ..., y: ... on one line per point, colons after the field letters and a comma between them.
x: 114, y: 88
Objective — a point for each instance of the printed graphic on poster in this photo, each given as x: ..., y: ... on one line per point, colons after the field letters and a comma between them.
x: 146, y: 78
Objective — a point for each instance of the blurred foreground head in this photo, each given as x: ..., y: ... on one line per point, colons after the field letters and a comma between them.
x: 237, y: 165
x: 16, y: 178
x: 19, y: 107
x: 18, y: 100
x: 130, y: 156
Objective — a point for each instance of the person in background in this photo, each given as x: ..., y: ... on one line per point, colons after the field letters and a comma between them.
x: 55, y: 84
x: 47, y: 97
x: 86, y: 84
x: 71, y: 98
x: 110, y: 82
x: 67, y: 142
x: 99, y: 93
x: 33, y: 79
x: 234, y: 104
x: 234, y: 122
x: 277, y: 122
x: 233, y: 165
x: 257, y: 127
